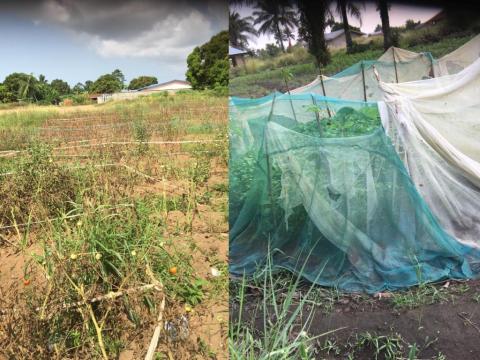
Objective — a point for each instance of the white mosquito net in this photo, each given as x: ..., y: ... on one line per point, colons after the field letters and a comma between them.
x: 458, y: 59
x: 435, y: 127
x: 358, y: 82
x: 396, y: 65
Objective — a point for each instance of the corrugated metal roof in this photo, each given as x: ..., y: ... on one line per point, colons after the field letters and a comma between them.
x: 235, y: 51
x: 334, y: 34
x: 163, y: 84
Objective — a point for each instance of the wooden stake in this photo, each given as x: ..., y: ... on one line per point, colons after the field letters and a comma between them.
x: 291, y: 103
x: 395, y: 64
x: 324, y: 94
x: 363, y: 79
x: 431, y: 66
x: 316, y: 115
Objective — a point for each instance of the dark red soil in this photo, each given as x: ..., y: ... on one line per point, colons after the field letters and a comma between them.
x: 450, y: 327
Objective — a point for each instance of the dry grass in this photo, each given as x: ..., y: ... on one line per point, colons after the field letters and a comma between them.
x: 107, y: 193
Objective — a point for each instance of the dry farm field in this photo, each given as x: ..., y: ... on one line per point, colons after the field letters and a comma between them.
x: 113, y: 225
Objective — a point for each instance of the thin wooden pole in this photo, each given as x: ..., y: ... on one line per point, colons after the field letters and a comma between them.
x: 363, y: 79
x: 316, y: 115
x: 324, y: 93
x: 395, y: 64
x: 290, y: 98
x: 431, y: 65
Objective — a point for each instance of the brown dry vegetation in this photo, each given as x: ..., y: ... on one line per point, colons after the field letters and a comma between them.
x: 99, y: 203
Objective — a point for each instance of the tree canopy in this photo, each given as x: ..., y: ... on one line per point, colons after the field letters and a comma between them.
x: 208, y: 64
x: 240, y: 29
x: 107, y: 84
x: 142, y: 81
x: 61, y: 86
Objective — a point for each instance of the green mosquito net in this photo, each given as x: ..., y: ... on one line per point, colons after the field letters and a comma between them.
x: 317, y: 186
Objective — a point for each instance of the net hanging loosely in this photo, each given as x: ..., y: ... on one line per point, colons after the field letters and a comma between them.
x: 435, y: 127
x: 316, y: 183
x: 396, y: 65
x: 358, y: 82
x: 458, y: 59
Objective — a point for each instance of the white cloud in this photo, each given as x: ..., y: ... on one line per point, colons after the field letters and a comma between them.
x: 172, y: 39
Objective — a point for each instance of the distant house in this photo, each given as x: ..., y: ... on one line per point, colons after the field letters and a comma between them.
x: 433, y: 20
x: 336, y: 39
x: 237, y: 56
x: 169, y: 86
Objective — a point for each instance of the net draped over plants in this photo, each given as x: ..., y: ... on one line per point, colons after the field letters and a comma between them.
x: 359, y: 81
x: 317, y: 184
x: 435, y: 127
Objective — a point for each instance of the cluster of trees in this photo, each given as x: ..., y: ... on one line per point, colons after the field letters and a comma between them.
x: 208, y: 66
x: 279, y: 18
x: 27, y: 88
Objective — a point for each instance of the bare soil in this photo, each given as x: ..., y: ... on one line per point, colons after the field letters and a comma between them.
x: 450, y: 326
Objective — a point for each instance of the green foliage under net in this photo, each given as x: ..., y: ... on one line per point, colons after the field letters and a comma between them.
x: 316, y: 183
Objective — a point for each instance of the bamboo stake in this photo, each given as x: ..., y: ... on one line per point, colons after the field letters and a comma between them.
x: 156, y: 333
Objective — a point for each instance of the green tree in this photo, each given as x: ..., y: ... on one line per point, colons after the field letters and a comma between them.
x: 88, y: 85
x: 78, y: 88
x: 382, y: 7
x: 240, y: 29
x: 313, y: 15
x: 46, y: 94
x: 271, y: 50
x: 119, y: 76
x: 42, y: 79
x: 106, y: 84
x: 15, y: 82
x: 6, y: 96
x: 411, y: 24
x: 208, y: 64
x: 272, y: 16
x: 60, y: 86
x: 345, y: 7
x: 142, y: 81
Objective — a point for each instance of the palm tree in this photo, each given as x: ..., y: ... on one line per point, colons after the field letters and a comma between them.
x: 272, y: 16
x: 27, y: 88
x: 345, y: 7
x: 42, y: 79
x: 239, y: 29
x: 313, y: 18
x: 288, y: 35
x: 387, y: 33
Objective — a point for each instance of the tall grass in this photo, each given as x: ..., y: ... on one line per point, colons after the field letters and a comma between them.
x: 278, y: 327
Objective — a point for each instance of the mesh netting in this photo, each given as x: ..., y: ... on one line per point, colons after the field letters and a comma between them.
x: 316, y: 183
x: 458, y: 59
x: 435, y: 126
x: 358, y: 82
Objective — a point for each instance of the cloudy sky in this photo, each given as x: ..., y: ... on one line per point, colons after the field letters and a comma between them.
x: 81, y: 40
x: 399, y: 13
